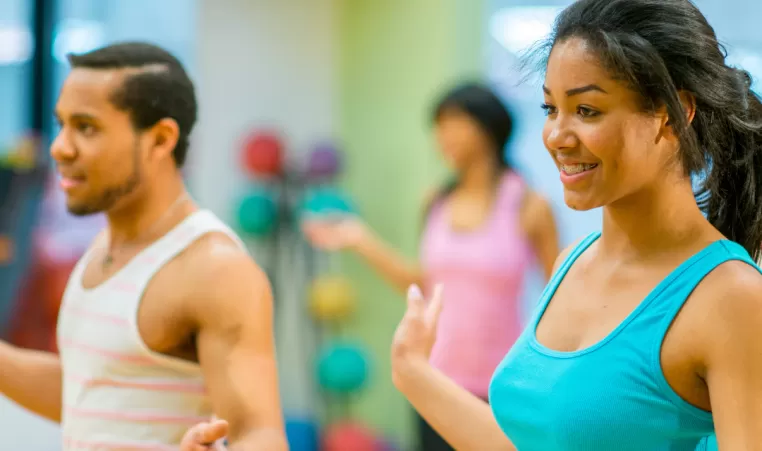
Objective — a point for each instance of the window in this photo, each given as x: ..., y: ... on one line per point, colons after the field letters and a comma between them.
x: 84, y: 25
x: 16, y: 51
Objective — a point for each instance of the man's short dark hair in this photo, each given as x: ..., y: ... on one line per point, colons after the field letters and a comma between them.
x: 159, y: 89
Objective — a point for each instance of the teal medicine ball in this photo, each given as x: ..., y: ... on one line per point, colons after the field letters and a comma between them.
x: 342, y: 368
x: 326, y: 201
x: 257, y: 213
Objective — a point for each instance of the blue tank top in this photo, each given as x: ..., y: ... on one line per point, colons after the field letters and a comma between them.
x: 612, y: 395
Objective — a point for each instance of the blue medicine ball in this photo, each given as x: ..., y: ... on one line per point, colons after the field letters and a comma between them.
x: 302, y: 434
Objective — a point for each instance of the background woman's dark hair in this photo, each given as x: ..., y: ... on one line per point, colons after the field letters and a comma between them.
x: 485, y: 107
x: 662, y: 47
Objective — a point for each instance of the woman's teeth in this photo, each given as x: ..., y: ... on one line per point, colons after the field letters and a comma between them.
x: 572, y: 169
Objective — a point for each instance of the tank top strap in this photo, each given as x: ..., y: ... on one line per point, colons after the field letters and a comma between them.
x: 435, y: 206
x: 79, y: 268
x: 144, y: 266
x: 560, y: 274
x: 574, y: 254
x: 672, y: 293
x: 77, y: 273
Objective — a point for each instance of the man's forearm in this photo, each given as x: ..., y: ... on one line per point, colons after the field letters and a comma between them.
x: 32, y: 379
x: 260, y: 440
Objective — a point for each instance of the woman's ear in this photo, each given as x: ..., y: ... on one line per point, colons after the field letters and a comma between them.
x: 688, y: 101
x: 689, y: 105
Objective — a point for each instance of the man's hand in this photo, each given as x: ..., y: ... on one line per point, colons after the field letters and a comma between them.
x: 205, y: 436
x: 31, y: 379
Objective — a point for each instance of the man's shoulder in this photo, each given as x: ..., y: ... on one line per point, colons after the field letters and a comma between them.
x: 215, y: 254
x: 220, y: 278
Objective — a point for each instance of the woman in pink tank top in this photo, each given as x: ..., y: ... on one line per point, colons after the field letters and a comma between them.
x: 482, y: 230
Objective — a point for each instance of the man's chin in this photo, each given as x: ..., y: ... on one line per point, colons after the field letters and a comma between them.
x: 81, y: 210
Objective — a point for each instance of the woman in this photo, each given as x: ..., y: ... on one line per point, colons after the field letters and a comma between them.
x: 647, y: 336
x: 480, y: 235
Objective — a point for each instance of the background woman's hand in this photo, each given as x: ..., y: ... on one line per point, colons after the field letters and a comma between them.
x: 334, y: 233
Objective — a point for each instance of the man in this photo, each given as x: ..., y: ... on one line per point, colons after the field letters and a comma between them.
x: 166, y: 321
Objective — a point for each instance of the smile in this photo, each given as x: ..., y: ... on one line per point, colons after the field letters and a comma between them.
x: 573, y: 169
x: 573, y: 174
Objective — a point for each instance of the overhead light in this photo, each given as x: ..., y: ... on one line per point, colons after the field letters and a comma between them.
x: 16, y: 45
x: 77, y: 36
x: 518, y: 28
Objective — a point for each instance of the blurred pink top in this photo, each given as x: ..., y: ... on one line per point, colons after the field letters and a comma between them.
x: 482, y: 272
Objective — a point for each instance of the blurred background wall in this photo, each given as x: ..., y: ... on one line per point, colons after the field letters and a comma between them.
x: 271, y: 66
x: 396, y: 57
x: 362, y: 74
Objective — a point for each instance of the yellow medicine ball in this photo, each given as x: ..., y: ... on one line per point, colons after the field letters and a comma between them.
x: 332, y: 298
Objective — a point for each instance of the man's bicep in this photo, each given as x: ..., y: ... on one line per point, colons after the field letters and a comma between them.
x: 237, y: 351
x: 242, y: 383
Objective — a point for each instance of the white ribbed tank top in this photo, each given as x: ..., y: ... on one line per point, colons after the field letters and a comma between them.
x: 117, y: 393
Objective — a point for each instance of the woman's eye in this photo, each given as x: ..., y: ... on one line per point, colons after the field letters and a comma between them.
x: 548, y: 109
x: 585, y: 112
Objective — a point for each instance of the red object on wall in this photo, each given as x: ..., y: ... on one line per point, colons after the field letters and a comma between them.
x: 35, y: 316
x: 263, y: 154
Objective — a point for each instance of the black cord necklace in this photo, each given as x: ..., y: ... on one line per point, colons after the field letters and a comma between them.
x: 108, y: 259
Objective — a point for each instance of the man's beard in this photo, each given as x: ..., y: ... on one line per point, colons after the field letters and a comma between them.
x: 112, y: 195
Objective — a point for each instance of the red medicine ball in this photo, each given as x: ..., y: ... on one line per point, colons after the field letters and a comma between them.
x: 263, y: 155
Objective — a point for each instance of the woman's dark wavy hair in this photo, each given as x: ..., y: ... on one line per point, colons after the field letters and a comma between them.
x: 482, y: 105
x: 659, y: 48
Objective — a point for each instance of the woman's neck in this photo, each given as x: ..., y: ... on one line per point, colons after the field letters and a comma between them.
x: 480, y: 176
x: 654, y: 221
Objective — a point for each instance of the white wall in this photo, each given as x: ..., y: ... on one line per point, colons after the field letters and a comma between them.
x: 260, y: 64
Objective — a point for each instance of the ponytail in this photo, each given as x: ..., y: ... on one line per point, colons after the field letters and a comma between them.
x: 730, y: 132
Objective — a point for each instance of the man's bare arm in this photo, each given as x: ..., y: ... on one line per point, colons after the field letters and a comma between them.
x: 234, y: 316
x: 32, y: 379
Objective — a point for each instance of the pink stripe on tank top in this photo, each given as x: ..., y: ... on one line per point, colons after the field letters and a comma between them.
x: 483, y: 272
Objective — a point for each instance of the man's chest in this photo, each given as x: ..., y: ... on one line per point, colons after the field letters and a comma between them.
x: 122, y: 322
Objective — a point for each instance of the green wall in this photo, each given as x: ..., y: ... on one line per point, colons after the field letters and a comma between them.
x: 396, y: 57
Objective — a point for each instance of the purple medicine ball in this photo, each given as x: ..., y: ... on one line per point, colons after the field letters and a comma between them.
x: 324, y: 162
